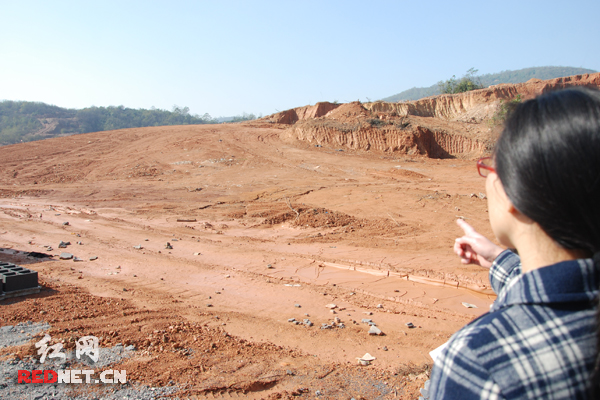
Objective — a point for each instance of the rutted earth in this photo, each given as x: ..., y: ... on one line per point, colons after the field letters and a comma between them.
x: 263, y: 226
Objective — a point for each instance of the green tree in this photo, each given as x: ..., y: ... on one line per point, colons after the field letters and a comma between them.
x: 468, y: 82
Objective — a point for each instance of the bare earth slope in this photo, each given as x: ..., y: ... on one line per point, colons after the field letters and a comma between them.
x: 266, y: 223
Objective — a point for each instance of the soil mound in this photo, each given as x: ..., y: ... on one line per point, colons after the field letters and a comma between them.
x: 294, y: 115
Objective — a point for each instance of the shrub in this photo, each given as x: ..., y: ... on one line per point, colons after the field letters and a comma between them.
x: 468, y: 82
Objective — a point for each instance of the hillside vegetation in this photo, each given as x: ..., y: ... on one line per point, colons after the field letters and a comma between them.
x: 24, y: 121
x: 518, y: 76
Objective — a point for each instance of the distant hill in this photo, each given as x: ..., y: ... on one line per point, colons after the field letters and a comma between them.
x: 518, y: 76
x: 25, y: 121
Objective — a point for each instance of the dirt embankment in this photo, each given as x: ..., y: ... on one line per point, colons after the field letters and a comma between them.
x: 477, y: 106
x: 294, y: 115
x: 444, y: 126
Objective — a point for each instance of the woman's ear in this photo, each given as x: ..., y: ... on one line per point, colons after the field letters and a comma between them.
x: 512, y: 210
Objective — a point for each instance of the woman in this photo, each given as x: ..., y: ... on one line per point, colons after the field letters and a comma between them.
x: 540, y: 338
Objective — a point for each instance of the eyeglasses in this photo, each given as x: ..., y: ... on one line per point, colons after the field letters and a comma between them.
x: 484, y: 166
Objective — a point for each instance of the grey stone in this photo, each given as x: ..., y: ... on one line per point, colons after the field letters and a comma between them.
x: 66, y: 256
x: 375, y: 331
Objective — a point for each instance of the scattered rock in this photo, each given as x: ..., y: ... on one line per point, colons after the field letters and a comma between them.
x: 410, y: 325
x: 331, y: 306
x: 65, y: 223
x: 379, y: 305
x: 138, y: 247
x: 373, y: 330
x: 168, y: 246
x: 92, y: 258
x: 297, y: 306
x: 77, y: 259
x: 66, y: 256
x: 63, y: 245
x: 366, y: 359
x: 469, y: 305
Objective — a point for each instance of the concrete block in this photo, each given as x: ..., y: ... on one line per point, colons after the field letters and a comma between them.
x: 18, y: 278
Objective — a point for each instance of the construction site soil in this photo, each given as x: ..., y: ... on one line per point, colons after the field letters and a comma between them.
x: 210, y: 239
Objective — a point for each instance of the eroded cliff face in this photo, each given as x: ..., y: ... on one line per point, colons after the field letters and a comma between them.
x: 458, y: 125
x: 480, y: 105
x: 412, y: 140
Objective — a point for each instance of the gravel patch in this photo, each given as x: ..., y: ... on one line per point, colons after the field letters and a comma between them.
x: 20, y: 334
x: 23, y: 333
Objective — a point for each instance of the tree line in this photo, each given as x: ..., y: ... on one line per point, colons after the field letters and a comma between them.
x: 21, y: 121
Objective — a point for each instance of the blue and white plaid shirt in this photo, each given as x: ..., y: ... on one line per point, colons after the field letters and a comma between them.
x: 538, y: 341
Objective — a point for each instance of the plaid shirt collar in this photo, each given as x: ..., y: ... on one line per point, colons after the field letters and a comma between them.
x: 565, y: 282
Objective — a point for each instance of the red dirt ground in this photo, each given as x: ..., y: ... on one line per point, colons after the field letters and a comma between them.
x: 333, y: 223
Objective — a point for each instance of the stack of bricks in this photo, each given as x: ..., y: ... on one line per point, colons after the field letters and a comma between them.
x: 14, y: 278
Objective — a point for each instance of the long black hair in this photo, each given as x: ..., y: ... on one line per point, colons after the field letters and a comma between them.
x: 548, y: 160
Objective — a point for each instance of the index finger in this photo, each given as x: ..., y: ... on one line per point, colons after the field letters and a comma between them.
x: 468, y: 229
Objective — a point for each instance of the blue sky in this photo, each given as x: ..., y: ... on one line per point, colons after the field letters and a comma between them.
x: 228, y: 57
